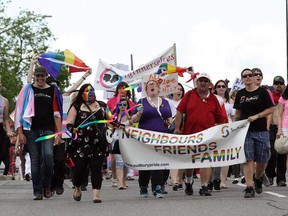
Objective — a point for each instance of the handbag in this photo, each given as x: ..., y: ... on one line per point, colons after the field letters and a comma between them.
x: 281, y: 144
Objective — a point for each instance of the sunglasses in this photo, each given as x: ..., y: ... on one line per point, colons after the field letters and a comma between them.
x: 258, y: 74
x: 278, y: 83
x: 248, y: 75
x: 220, y: 86
x: 203, y: 80
x: 123, y: 104
x: 39, y: 75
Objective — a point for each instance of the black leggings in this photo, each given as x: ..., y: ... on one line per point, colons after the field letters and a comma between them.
x: 79, y: 172
x: 4, y: 149
x: 155, y: 175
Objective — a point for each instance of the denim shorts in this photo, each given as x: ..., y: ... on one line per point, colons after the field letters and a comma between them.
x: 257, y: 146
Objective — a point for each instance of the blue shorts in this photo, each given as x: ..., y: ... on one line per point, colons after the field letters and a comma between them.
x: 257, y: 146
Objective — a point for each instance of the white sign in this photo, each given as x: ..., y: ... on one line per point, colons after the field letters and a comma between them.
x: 108, y: 76
x: 222, y: 145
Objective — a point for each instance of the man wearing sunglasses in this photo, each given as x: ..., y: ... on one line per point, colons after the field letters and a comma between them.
x: 277, y: 163
x: 254, y: 104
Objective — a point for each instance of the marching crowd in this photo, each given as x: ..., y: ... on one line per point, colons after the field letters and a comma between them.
x: 39, y: 114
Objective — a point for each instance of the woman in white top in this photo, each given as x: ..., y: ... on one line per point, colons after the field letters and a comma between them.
x: 176, y: 174
x: 221, y: 89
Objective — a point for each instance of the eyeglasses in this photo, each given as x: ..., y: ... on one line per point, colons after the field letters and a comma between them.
x: 247, y: 75
x: 258, y: 74
x: 40, y: 75
x: 123, y: 104
x: 220, y: 86
x: 203, y: 80
x: 278, y: 83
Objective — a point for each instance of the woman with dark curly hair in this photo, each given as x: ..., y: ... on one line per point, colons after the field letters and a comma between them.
x: 88, y: 149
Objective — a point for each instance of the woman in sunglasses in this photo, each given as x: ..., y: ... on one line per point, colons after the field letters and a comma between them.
x: 112, y: 105
x: 124, y: 119
x: 221, y: 89
x: 153, y: 115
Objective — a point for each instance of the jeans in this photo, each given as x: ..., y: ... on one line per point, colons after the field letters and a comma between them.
x: 41, y: 155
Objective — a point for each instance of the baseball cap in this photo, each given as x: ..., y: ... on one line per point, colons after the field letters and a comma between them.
x: 278, y: 79
x: 40, y: 70
x: 204, y: 75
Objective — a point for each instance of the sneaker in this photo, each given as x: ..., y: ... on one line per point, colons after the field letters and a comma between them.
x: 59, y: 190
x: 38, y: 197
x: 180, y: 186
x: 175, y: 187
x: 27, y: 177
x: 249, y: 192
x: 266, y: 181
x: 243, y: 180
x: 216, y: 184
x: 158, y: 191
x: 114, y: 182
x: 47, y: 193
x: 144, y: 192
x: 271, y: 180
x: 210, y: 186
x: 281, y: 184
x: 258, y: 184
x: 235, y: 181
x: 163, y: 190
x: 204, y: 191
x: 189, y: 188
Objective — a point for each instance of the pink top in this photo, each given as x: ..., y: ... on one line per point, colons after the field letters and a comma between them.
x: 285, y: 112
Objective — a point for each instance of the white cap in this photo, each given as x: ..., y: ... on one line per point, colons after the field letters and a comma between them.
x: 204, y: 75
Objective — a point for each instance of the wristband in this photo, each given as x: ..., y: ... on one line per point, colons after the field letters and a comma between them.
x: 259, y: 115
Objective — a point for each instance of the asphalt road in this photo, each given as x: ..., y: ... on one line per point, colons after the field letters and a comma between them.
x: 16, y: 199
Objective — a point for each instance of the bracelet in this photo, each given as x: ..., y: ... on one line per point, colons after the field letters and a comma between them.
x: 259, y: 115
x: 83, y: 78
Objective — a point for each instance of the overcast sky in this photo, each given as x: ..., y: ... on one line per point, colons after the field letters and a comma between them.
x: 220, y: 37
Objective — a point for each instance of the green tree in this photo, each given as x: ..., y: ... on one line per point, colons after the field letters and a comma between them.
x: 20, y: 39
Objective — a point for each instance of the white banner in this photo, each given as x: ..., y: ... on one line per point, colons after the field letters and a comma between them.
x: 108, y: 76
x: 222, y: 145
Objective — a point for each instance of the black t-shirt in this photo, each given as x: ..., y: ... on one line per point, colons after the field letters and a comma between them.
x: 252, y: 103
x: 44, y: 114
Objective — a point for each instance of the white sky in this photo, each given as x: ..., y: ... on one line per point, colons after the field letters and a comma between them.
x: 220, y: 37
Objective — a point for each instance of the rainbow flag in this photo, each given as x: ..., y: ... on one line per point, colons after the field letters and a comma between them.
x: 53, y: 61
x: 166, y: 68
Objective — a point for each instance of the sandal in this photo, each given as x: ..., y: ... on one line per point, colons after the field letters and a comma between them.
x: 77, y: 198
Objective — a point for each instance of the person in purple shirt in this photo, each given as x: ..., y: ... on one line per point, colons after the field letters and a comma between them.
x: 154, y: 115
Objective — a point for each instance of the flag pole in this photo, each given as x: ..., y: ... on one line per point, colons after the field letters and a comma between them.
x: 133, y: 90
x: 175, y: 59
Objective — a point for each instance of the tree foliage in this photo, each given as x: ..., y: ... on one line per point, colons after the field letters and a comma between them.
x: 20, y: 39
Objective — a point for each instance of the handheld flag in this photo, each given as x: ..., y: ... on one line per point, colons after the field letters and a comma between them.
x: 53, y: 61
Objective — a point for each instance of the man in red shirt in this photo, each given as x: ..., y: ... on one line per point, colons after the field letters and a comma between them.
x: 202, y: 111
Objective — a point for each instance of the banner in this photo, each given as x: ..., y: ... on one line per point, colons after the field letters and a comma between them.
x: 108, y: 76
x: 222, y: 145
x: 168, y: 85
